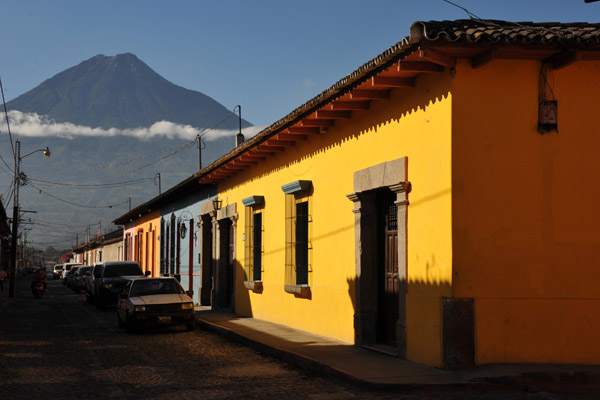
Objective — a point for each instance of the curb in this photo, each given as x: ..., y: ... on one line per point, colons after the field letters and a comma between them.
x: 313, y: 366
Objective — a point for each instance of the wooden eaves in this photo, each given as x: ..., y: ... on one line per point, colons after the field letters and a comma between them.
x: 430, y: 48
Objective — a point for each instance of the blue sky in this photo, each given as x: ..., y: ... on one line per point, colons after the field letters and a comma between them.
x: 268, y: 56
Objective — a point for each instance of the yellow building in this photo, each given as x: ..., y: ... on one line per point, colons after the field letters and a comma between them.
x: 141, y: 230
x: 430, y: 204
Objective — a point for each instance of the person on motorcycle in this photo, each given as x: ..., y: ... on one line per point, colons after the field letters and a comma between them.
x: 39, y: 276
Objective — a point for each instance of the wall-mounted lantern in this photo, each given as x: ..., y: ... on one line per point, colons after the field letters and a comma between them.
x: 548, y: 116
x: 217, y: 203
x: 182, y: 230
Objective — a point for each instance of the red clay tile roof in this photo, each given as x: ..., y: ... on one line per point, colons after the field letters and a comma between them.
x: 567, y: 35
x: 494, y: 31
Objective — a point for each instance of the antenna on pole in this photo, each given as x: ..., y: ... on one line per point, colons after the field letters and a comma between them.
x: 199, y: 145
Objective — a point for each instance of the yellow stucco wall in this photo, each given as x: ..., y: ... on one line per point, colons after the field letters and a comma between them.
x: 414, y: 123
x: 149, y: 245
x: 525, y: 212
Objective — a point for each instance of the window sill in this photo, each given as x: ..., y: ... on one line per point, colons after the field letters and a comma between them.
x: 298, y: 290
x: 255, y: 286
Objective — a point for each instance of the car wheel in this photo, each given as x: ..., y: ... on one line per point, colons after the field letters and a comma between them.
x: 190, y: 326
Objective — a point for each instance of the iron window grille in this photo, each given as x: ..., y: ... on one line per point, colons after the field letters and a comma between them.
x: 298, y: 245
x: 254, y: 238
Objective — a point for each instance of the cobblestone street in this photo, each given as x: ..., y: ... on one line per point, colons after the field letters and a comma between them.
x: 60, y: 347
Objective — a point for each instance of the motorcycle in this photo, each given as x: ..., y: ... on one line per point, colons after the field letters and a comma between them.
x: 37, y: 288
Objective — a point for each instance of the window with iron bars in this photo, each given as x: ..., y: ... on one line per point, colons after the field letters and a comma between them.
x: 298, y: 246
x: 253, y: 254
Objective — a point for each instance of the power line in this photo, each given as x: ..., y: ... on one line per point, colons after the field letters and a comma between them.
x: 76, y: 204
x: 7, y: 123
x: 88, y: 185
x: 117, y: 164
x: 475, y: 17
x: 63, y: 225
x: 9, y: 133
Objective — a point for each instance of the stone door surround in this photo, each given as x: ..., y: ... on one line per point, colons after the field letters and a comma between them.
x: 391, y: 175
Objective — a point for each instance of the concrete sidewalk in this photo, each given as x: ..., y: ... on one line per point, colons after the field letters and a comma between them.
x: 371, y: 369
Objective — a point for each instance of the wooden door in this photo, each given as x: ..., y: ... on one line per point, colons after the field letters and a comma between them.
x: 389, y: 284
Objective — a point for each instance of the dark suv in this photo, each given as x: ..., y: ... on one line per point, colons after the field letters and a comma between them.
x: 111, y: 277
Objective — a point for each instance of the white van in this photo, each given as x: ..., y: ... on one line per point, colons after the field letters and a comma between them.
x: 57, y: 271
x: 66, y: 268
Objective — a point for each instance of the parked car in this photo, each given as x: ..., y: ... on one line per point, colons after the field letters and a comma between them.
x: 154, y: 301
x: 78, y: 282
x: 111, y: 278
x: 57, y: 272
x: 66, y: 268
x: 90, y: 289
x: 70, y: 278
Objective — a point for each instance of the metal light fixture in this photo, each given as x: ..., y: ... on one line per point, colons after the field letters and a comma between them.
x: 239, y: 138
x: 182, y: 230
x: 217, y: 203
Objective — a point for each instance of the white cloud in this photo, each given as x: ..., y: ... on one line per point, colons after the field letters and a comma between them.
x: 308, y: 82
x: 31, y: 125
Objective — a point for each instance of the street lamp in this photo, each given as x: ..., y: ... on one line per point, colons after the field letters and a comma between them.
x: 15, y: 220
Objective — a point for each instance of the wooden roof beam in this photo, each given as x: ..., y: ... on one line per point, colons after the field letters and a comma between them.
x: 484, y: 58
x: 351, y: 105
x: 370, y: 94
x: 260, y: 152
x: 317, y: 122
x: 238, y: 161
x: 305, y: 130
x: 334, y: 114
x: 437, y: 57
x: 563, y: 59
x: 290, y: 137
x: 419, y: 66
x: 234, y: 167
x: 252, y: 157
x: 392, y: 81
x: 270, y: 147
x: 281, y: 142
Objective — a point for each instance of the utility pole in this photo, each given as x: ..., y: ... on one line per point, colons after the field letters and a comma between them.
x: 15, y: 221
x: 199, y: 145
x: 158, y: 177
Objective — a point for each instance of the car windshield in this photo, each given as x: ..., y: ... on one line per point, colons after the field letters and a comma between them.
x: 83, y: 270
x: 122, y: 270
x: 145, y: 287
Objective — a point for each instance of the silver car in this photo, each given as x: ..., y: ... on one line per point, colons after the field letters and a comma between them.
x: 154, y: 301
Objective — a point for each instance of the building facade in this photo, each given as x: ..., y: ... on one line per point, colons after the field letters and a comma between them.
x: 420, y: 205
x: 166, y: 236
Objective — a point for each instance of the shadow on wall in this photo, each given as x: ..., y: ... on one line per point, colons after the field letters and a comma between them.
x: 428, y: 308
x: 243, y: 306
x: 429, y: 91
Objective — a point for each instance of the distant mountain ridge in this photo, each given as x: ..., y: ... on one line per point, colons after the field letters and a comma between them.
x: 109, y: 92
x: 120, y: 92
